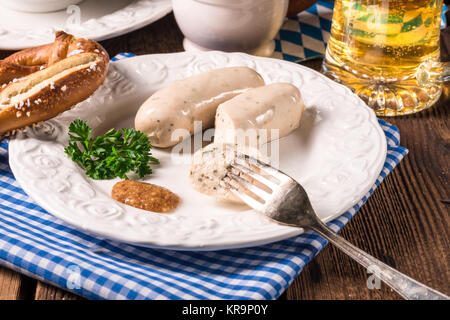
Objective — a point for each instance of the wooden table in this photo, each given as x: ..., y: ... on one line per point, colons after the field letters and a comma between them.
x: 405, y: 222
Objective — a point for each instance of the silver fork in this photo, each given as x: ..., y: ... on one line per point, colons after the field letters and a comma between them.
x: 283, y: 200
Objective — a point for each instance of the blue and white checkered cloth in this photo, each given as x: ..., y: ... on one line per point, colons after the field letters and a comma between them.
x: 37, y: 244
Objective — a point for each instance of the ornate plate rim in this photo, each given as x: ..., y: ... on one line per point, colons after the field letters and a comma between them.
x: 217, y: 245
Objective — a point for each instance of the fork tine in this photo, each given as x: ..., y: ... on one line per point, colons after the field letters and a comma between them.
x: 265, y: 168
x: 244, y: 185
x: 256, y: 176
x: 249, y: 186
x: 250, y: 180
x: 241, y: 195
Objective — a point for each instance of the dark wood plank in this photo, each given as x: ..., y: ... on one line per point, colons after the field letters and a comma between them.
x: 404, y: 218
x: 46, y: 291
x: 15, y: 286
x: 163, y: 36
x: 404, y: 223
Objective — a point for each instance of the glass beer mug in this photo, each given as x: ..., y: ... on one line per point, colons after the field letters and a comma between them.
x: 387, y: 51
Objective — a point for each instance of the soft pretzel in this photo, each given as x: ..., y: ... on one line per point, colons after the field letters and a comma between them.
x: 39, y: 83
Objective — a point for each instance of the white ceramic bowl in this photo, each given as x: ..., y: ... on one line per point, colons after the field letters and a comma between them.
x: 230, y: 25
x: 38, y: 5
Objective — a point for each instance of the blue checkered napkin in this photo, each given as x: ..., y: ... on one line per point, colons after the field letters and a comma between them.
x: 305, y: 35
x: 35, y: 243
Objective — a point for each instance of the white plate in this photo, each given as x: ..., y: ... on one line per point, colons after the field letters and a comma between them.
x: 99, y: 20
x: 337, y: 154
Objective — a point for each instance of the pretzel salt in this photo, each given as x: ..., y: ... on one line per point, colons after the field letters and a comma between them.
x: 39, y: 83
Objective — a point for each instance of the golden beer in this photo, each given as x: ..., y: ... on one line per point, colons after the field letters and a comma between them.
x: 377, y: 46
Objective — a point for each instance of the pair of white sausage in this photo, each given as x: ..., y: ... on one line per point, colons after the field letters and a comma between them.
x: 234, y: 98
x: 196, y: 98
x: 245, y: 112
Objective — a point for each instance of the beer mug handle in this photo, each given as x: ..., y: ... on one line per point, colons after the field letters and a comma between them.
x: 431, y: 72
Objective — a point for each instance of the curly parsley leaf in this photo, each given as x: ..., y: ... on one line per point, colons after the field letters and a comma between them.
x: 111, y: 155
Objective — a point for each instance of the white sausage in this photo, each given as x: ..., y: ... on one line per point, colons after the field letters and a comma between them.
x: 257, y: 111
x: 196, y: 98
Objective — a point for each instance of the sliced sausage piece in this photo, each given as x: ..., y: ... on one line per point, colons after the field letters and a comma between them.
x: 196, y: 98
x: 248, y: 118
x: 211, y: 163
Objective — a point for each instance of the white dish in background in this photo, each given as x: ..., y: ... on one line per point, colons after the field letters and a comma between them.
x: 98, y: 20
x: 230, y: 25
x: 38, y: 5
x: 337, y: 154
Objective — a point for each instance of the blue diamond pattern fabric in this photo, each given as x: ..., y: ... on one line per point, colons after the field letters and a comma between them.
x: 304, y: 36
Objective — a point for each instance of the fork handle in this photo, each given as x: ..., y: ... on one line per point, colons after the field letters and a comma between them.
x: 407, y: 287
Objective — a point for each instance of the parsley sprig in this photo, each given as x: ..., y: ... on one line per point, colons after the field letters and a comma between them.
x: 111, y: 155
